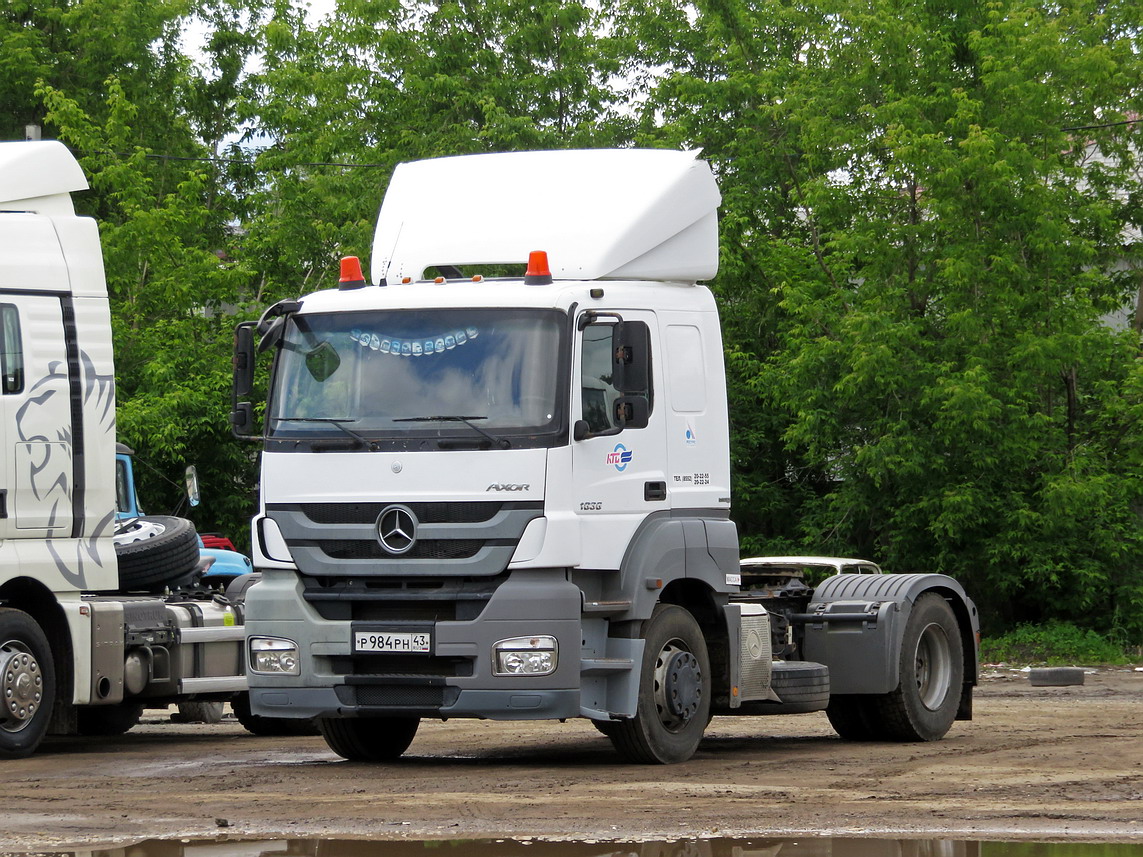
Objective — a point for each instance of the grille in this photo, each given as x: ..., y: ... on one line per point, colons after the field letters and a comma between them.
x: 398, y: 696
x: 427, y: 513
x: 424, y: 549
x: 426, y: 600
x: 401, y: 666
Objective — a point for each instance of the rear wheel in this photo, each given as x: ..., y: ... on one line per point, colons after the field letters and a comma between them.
x: 674, y: 692
x: 200, y: 712
x: 925, y: 703
x: 108, y: 719
x: 27, y: 684
x: 855, y: 718
x: 369, y: 739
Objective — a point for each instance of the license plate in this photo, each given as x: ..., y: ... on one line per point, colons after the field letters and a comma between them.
x: 380, y: 641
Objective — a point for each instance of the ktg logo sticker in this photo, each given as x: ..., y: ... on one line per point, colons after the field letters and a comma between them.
x: 620, y: 457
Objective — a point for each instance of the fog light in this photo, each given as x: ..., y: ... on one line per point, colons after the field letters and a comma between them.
x: 525, y: 656
x: 273, y: 655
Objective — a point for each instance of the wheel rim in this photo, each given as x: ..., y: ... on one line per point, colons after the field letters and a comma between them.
x: 933, y: 666
x: 138, y: 530
x: 21, y: 686
x: 678, y: 686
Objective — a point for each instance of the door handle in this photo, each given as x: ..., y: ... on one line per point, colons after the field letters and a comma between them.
x: 654, y: 492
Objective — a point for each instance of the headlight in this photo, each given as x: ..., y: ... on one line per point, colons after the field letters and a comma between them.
x: 525, y: 656
x: 274, y: 655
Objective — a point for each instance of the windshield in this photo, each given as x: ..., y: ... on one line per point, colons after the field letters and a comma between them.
x: 486, y: 375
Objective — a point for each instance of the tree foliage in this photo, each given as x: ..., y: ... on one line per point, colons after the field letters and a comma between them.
x: 931, y: 213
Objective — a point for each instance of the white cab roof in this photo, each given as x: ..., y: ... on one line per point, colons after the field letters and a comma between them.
x: 638, y: 214
x: 38, y: 176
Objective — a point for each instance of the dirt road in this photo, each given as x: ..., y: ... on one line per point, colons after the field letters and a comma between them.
x: 1043, y: 763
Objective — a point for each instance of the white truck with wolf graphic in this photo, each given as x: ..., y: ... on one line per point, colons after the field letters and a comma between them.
x: 85, y: 643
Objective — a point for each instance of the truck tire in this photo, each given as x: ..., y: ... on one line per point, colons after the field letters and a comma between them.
x: 369, y: 739
x: 27, y: 684
x: 155, y: 551
x: 924, y: 705
x: 1055, y: 676
x: 271, y: 727
x: 105, y: 720
x: 855, y: 717
x: 674, y: 692
x: 200, y: 712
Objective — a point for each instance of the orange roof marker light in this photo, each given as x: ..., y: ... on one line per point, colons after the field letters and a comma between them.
x: 351, y: 276
x: 538, y: 273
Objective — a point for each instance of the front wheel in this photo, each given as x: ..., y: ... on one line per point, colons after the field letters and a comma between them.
x: 674, y: 692
x: 924, y: 706
x: 369, y: 739
x: 270, y: 727
x: 27, y: 684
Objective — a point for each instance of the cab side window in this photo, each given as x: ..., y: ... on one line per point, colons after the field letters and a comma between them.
x: 11, y: 351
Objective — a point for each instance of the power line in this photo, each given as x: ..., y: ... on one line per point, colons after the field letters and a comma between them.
x: 215, y: 160
x: 1106, y: 125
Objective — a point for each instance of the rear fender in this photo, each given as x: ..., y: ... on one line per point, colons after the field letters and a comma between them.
x: 862, y: 656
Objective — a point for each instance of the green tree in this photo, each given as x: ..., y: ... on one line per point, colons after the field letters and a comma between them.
x: 918, y: 255
x: 145, y: 135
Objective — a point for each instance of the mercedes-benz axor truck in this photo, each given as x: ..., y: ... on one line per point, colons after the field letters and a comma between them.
x: 495, y: 483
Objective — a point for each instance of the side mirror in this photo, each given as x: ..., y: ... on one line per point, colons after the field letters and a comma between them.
x: 193, y: 496
x: 242, y: 412
x: 243, y: 359
x: 631, y: 349
x: 242, y: 419
x: 632, y: 411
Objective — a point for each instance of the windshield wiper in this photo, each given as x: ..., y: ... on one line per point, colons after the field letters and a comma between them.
x: 361, y: 440
x: 502, y: 442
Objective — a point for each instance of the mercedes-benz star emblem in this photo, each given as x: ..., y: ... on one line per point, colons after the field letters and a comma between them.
x: 397, y: 529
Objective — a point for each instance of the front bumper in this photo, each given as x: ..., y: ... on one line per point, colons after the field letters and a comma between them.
x: 454, y: 680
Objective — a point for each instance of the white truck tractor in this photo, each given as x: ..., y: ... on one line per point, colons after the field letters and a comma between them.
x: 85, y: 640
x: 508, y: 497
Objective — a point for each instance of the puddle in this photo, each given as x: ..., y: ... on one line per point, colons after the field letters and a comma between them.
x: 810, y: 846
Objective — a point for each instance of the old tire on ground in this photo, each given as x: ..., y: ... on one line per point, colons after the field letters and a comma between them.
x: 154, y: 551
x: 854, y: 717
x: 108, y: 719
x: 369, y: 739
x: 1055, y: 676
x: 200, y: 712
x: 27, y: 684
x: 674, y: 692
x: 270, y: 727
x: 925, y: 703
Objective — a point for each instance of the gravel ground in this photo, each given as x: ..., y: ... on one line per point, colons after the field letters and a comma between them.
x: 1042, y: 763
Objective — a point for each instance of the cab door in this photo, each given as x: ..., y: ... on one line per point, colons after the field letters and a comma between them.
x: 36, y: 414
x: 35, y: 395
x: 619, y: 436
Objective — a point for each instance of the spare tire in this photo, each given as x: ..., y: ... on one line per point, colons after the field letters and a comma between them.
x: 154, y: 551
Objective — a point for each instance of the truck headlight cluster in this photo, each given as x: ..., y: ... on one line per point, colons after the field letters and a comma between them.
x: 274, y: 655
x: 525, y: 656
